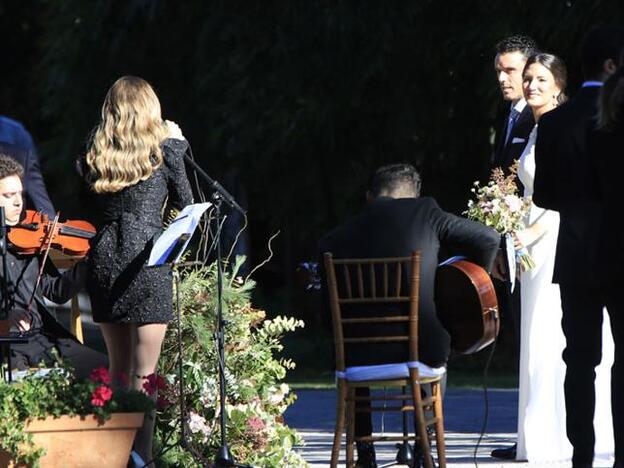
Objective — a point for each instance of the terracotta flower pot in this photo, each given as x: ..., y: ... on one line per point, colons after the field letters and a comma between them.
x: 82, y: 441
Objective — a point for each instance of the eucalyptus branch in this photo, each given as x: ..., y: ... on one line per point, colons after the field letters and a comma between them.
x: 238, y: 234
x: 267, y: 260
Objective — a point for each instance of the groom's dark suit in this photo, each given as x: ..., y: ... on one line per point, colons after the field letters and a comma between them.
x: 390, y: 227
x: 563, y: 183
x: 504, y: 157
x: 507, y: 152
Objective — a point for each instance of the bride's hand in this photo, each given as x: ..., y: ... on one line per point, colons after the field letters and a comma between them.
x: 520, y: 239
x: 174, y: 130
x: 528, y: 236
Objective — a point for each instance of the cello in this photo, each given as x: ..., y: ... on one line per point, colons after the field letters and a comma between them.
x: 466, y: 305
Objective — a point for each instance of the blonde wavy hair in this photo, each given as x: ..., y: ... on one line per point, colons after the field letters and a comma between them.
x: 125, y: 146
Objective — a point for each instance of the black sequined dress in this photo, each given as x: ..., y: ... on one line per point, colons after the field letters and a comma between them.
x: 121, y: 285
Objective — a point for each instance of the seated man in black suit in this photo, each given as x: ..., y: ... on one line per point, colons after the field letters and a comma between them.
x: 396, y: 222
x: 27, y: 313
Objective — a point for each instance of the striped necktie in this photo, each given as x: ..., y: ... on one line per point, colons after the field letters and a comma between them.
x: 513, y: 118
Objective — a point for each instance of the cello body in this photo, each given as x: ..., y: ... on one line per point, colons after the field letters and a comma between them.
x: 466, y: 305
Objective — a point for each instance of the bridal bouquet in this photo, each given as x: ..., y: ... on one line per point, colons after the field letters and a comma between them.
x: 499, y: 206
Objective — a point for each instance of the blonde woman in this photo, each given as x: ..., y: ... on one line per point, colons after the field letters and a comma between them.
x: 134, y: 164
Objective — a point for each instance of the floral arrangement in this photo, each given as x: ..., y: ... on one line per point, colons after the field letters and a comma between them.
x: 256, y: 398
x: 56, y: 392
x: 499, y: 206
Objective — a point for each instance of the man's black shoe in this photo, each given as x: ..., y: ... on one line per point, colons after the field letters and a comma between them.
x: 508, y: 453
x: 365, y: 455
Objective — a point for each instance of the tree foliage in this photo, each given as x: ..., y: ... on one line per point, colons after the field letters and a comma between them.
x: 300, y: 100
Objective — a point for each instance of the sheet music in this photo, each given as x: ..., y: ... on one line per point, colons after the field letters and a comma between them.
x: 178, y: 234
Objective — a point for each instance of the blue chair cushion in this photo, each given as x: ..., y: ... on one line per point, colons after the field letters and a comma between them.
x: 388, y: 371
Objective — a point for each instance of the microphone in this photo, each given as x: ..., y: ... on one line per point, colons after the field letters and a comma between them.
x: 214, y: 185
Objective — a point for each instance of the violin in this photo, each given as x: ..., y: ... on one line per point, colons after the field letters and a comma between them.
x: 36, y: 233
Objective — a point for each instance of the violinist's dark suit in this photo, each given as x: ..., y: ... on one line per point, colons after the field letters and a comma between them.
x: 47, y: 336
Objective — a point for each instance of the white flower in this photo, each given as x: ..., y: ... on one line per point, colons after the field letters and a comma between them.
x: 208, y: 393
x: 197, y: 424
x: 513, y: 202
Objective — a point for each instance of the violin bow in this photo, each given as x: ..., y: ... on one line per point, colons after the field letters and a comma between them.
x: 46, y: 250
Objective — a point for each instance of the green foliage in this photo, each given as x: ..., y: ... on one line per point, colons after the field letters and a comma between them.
x: 308, y: 94
x: 56, y: 393
x: 256, y: 400
x: 298, y: 101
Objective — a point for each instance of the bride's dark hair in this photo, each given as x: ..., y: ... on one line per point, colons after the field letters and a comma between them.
x: 556, y: 66
x: 611, y: 99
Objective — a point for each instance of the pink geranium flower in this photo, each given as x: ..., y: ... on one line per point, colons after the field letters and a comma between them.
x: 101, y: 395
x: 100, y: 375
x: 153, y: 383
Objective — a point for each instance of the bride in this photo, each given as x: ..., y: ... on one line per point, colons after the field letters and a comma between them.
x: 541, y: 408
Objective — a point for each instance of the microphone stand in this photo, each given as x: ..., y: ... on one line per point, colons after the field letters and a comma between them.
x: 224, y: 457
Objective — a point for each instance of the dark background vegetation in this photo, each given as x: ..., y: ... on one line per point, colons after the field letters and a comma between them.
x: 297, y: 101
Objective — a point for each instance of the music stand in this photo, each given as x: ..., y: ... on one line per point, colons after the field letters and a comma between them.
x: 168, y: 250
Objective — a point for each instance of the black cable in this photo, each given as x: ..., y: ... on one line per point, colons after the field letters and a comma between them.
x: 486, y: 411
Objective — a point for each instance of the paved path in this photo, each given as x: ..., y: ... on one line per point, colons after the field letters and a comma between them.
x: 313, y: 414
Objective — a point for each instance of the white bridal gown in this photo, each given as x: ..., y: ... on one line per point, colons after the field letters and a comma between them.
x: 541, y: 407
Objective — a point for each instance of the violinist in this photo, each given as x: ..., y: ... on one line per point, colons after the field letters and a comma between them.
x: 28, y: 313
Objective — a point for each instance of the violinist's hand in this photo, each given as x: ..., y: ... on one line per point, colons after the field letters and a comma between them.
x: 174, y: 130
x: 499, y: 269
x: 20, y: 319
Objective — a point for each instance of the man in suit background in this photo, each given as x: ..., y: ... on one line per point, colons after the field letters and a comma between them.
x: 16, y: 142
x: 605, y: 146
x: 562, y: 183
x: 396, y: 222
x: 511, y: 56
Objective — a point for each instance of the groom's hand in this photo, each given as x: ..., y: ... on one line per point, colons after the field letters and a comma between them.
x: 499, y: 269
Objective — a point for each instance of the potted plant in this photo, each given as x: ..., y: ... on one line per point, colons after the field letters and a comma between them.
x: 50, y: 418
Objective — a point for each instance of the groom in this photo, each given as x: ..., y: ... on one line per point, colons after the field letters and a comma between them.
x: 511, y: 56
x: 562, y: 184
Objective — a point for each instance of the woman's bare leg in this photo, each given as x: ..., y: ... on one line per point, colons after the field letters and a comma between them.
x: 118, y: 339
x: 146, y: 345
